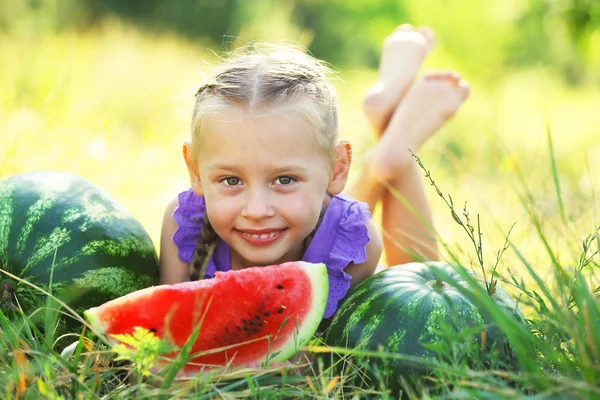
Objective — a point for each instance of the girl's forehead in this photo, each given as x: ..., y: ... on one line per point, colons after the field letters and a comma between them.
x: 236, y: 127
x: 263, y: 141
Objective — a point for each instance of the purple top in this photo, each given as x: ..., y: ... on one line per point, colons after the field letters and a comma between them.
x: 340, y: 240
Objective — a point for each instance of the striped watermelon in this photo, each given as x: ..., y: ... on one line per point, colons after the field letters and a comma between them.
x: 405, y: 309
x: 60, y: 227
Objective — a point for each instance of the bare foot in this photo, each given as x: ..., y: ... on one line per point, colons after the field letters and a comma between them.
x: 401, y: 57
x: 429, y: 103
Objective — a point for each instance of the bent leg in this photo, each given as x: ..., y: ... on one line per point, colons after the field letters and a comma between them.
x: 406, y: 221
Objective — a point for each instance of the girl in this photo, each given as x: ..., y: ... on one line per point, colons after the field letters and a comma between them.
x: 267, y: 170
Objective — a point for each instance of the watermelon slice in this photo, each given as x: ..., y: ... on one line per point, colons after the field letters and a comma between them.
x: 259, y: 314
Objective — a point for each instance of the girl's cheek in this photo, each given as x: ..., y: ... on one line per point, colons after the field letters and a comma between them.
x: 301, y: 206
x: 218, y: 203
x: 226, y: 203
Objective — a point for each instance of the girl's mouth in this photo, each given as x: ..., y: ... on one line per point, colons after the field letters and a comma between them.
x: 262, y: 238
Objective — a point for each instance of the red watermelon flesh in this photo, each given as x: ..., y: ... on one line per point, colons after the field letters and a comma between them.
x: 280, y: 305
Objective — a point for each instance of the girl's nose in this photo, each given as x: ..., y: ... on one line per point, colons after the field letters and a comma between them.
x: 258, y: 206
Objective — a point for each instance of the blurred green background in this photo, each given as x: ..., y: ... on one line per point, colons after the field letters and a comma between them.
x: 104, y: 89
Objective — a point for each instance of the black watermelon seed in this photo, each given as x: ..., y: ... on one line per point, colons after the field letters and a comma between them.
x: 251, y: 322
x: 153, y: 330
x: 266, y: 314
x: 259, y: 324
x: 280, y: 310
x: 258, y: 317
x: 238, y: 328
x: 255, y: 330
x: 246, y: 328
x: 280, y: 286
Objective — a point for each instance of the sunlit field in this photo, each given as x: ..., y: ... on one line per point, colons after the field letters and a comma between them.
x: 113, y: 105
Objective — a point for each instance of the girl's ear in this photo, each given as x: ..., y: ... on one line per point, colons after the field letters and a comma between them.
x: 341, y: 167
x: 192, y: 169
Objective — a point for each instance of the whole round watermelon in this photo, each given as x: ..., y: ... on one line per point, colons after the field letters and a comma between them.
x: 410, y: 309
x: 57, y: 227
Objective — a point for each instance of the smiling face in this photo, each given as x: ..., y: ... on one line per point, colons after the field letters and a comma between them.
x: 265, y: 181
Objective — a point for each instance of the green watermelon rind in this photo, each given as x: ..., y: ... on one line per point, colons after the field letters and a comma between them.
x: 94, y: 320
x: 54, y: 223
x: 320, y: 285
x: 402, y: 325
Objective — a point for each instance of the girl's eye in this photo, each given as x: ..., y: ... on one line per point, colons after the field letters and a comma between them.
x: 285, y: 180
x: 232, y: 181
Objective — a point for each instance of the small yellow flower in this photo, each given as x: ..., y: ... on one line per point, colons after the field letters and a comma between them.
x: 142, y: 348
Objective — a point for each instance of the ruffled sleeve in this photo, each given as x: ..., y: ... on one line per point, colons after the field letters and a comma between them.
x: 188, y: 216
x: 341, y: 240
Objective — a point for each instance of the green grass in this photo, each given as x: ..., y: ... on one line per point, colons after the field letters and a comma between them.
x: 523, y: 154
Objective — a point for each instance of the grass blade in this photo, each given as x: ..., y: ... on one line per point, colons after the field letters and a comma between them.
x: 181, y: 359
x: 555, y: 178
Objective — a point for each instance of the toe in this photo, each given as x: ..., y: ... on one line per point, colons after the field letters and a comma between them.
x: 453, y: 77
x: 464, y: 88
x: 435, y: 75
x: 429, y: 35
x: 405, y: 28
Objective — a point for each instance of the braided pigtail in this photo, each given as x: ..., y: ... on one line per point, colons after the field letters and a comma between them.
x: 207, y: 241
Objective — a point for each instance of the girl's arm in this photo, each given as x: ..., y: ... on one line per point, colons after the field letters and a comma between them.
x: 406, y: 222
x: 360, y: 272
x: 172, y: 269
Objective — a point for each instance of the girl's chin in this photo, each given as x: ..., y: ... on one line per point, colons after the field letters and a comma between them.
x: 260, y: 257
x: 254, y: 260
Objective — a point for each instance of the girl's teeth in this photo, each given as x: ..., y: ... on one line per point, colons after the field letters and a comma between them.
x: 262, y: 236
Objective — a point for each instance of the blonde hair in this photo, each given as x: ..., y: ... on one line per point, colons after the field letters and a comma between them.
x: 262, y: 80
